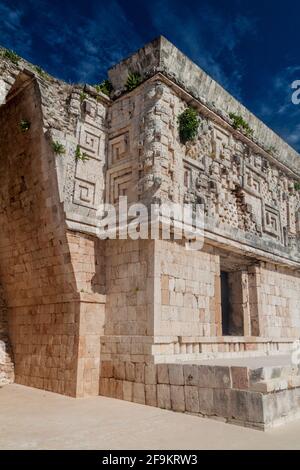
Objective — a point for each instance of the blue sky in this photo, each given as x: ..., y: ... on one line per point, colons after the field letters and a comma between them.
x: 251, y: 47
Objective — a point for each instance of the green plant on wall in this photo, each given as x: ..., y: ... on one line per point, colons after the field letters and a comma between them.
x: 272, y: 150
x: 12, y: 56
x: 297, y: 186
x: 134, y: 79
x: 188, y: 122
x: 58, y: 148
x: 238, y: 122
x: 25, y: 125
x: 40, y: 71
x: 82, y: 97
x: 105, y: 87
x: 80, y: 155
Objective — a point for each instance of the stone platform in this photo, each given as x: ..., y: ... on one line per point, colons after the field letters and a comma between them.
x: 257, y: 392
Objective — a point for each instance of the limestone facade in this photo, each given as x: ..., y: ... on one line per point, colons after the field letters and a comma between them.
x: 84, y: 313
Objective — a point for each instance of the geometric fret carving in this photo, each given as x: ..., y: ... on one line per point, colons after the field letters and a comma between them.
x: 119, y: 183
x: 84, y: 193
x: 272, y: 222
x: 252, y: 182
x: 90, y: 141
x: 118, y: 148
x: 220, y: 143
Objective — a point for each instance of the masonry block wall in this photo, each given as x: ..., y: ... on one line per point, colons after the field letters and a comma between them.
x: 279, y: 302
x: 33, y: 247
x: 190, y: 304
x: 50, y: 327
x: 6, y: 357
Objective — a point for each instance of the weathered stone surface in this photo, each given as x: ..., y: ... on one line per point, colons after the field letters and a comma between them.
x: 150, y: 374
x: 214, y: 376
x: 177, y: 398
x: 191, y: 374
x: 221, y: 402
x: 130, y: 371
x: 207, y: 401
x: 127, y: 390
x: 164, y: 396
x: 105, y: 389
x: 163, y: 374
x: 139, y: 393
x: 151, y: 395
x: 192, y: 399
x: 140, y: 372
x: 6, y: 359
x: 107, y: 369
x: 176, y: 374
x: 119, y: 370
x: 240, y: 377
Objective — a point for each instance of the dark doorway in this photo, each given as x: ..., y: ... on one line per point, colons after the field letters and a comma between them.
x: 232, y: 303
x: 225, y: 303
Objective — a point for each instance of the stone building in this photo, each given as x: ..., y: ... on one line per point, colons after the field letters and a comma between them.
x: 139, y: 319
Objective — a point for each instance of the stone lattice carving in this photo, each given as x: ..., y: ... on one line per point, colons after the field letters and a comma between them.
x: 239, y: 188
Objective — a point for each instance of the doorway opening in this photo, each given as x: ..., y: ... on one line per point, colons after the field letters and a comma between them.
x: 232, y: 303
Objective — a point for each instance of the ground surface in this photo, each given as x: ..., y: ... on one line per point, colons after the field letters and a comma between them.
x: 34, y: 419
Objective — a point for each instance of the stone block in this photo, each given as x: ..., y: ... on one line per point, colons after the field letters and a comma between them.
x: 255, y: 407
x: 270, y: 413
x: 150, y: 374
x: 177, y: 398
x: 119, y: 370
x: 221, y: 402
x: 255, y: 375
x: 240, y: 377
x: 238, y: 404
x: 294, y: 381
x: 191, y: 374
x: 163, y: 374
x: 163, y: 396
x: 191, y: 399
x: 116, y: 388
x: 206, y: 400
x: 140, y: 372
x: 176, y: 374
x: 151, y: 395
x: 104, y: 389
x: 106, y: 369
x: 214, y: 376
x: 139, y: 393
x: 130, y: 371
x: 127, y: 390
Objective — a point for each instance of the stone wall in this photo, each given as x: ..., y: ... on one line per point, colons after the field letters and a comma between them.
x: 279, y: 295
x: 56, y: 345
x: 6, y: 358
x: 189, y: 296
x: 129, y: 287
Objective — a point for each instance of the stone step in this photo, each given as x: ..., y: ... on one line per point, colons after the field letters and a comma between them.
x: 275, y: 372
x: 275, y: 385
